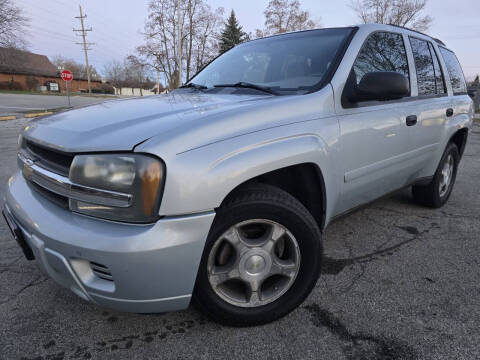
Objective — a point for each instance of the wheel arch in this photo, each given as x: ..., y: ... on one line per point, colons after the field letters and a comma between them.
x: 304, y: 181
x: 459, y: 138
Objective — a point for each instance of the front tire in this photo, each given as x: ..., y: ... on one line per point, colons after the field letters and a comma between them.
x: 261, y: 259
x: 436, y: 194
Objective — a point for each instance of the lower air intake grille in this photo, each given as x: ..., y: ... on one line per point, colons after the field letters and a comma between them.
x: 101, y: 271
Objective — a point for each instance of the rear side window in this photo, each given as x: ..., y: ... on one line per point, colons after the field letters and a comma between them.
x: 439, y: 78
x: 424, y: 66
x: 455, y: 71
x: 382, y: 51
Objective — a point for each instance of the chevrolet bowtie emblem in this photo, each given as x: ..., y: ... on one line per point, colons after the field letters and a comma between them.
x: 27, y: 167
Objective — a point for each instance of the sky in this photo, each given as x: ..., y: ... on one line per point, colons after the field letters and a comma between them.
x: 117, y: 25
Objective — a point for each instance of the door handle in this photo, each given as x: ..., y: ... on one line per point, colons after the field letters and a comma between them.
x: 449, y: 112
x: 411, y: 120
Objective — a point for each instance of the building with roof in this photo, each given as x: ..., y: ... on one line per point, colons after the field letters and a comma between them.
x: 32, y: 71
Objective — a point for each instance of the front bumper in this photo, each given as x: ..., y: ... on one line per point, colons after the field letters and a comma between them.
x: 150, y: 268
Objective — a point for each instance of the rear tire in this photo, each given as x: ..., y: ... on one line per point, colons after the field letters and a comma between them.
x: 436, y: 194
x: 265, y: 210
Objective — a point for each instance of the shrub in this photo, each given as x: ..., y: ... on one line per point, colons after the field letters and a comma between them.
x: 32, y: 82
x: 103, y: 89
x: 11, y: 85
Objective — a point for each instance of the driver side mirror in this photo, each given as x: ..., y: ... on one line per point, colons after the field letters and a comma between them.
x: 381, y: 86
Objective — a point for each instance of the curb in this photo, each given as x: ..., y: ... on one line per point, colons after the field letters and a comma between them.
x: 10, y: 117
x: 32, y: 115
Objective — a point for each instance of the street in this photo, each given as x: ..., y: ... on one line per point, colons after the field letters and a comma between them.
x: 11, y: 104
x: 399, y: 282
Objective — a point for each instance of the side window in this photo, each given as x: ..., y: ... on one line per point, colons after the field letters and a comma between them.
x: 382, y: 51
x: 424, y: 66
x: 439, y: 78
x: 455, y: 71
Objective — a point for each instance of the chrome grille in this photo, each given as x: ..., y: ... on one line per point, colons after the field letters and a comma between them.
x: 59, y: 200
x: 60, y: 185
x: 56, y: 161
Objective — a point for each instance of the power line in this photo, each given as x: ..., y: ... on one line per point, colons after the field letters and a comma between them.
x: 105, y: 39
x: 47, y: 32
x: 85, y: 45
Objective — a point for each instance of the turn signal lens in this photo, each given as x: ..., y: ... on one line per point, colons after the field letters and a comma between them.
x: 150, y: 183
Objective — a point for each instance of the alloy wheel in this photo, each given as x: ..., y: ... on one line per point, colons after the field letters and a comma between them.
x: 253, y: 263
x: 446, y: 176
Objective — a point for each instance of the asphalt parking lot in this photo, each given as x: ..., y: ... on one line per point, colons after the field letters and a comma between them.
x: 11, y: 104
x: 399, y: 282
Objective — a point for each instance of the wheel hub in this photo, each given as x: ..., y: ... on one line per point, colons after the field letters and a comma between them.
x: 255, y: 262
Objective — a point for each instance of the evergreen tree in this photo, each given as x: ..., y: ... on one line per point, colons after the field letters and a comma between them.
x: 232, y: 35
x: 477, y: 81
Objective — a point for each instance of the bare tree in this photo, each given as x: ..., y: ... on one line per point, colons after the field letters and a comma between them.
x: 114, y: 72
x: 13, y: 24
x: 206, y: 36
x: 200, y: 26
x: 284, y: 16
x: 408, y: 13
x: 79, y: 70
x: 135, y: 73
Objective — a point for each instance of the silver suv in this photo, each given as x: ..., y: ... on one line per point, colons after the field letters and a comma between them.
x: 218, y: 193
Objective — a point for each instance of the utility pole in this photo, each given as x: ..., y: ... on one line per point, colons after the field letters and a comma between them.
x: 179, y: 44
x: 85, y: 44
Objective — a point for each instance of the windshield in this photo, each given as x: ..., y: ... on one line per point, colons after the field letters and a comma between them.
x: 296, y: 62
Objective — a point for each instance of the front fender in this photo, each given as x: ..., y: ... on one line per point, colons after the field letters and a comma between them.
x: 200, y: 179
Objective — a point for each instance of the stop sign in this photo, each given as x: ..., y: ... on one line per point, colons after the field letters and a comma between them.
x: 67, y: 75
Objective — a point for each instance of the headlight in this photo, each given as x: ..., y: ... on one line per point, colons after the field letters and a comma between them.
x: 122, y: 187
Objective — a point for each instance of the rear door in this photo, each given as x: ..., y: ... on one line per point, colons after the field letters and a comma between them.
x: 459, y: 101
x: 432, y: 105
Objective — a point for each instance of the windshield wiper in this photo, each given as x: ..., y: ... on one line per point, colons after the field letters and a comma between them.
x: 195, y: 86
x: 247, y: 85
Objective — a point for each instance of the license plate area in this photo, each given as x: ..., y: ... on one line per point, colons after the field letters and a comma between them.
x: 18, y: 235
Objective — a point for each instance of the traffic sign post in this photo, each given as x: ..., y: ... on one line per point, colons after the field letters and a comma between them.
x: 67, y: 76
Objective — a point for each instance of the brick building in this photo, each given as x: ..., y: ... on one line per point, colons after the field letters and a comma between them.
x: 34, y: 70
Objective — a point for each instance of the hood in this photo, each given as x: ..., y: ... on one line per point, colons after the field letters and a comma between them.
x: 119, y: 125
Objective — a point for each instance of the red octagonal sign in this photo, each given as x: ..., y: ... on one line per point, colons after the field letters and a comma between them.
x: 67, y: 75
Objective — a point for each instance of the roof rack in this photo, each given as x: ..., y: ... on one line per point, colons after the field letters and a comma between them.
x: 440, y: 42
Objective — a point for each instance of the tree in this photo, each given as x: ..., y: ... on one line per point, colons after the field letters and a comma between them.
x: 13, y: 24
x: 200, y: 25
x: 79, y: 70
x: 131, y: 73
x: 407, y: 13
x: 135, y: 74
x: 232, y: 34
x: 284, y: 16
x: 114, y: 73
x: 476, y: 82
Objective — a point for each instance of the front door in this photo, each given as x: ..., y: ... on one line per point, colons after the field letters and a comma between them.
x: 374, y: 144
